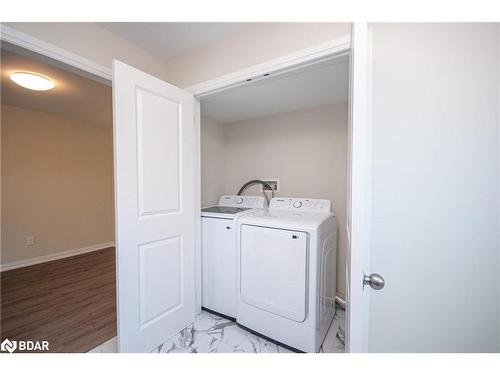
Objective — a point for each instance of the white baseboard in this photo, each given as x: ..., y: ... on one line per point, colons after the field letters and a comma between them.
x: 55, y: 256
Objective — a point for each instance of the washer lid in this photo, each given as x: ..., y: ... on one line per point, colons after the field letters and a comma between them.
x: 224, y: 210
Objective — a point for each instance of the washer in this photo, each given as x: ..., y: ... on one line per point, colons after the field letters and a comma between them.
x: 286, y: 271
x: 218, y: 251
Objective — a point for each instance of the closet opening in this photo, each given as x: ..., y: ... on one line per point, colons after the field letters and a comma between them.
x: 290, y: 133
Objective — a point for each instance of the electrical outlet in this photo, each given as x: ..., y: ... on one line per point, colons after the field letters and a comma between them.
x: 30, y: 240
x: 273, y: 182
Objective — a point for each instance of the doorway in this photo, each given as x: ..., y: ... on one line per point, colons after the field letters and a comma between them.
x: 290, y: 128
x: 58, y: 257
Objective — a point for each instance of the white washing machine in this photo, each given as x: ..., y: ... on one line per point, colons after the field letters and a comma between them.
x: 286, y: 271
x: 218, y: 251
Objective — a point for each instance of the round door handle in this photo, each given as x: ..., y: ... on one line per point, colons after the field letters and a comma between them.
x: 375, y: 281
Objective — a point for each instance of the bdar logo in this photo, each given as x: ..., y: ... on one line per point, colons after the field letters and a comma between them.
x: 8, y: 346
x: 24, y: 346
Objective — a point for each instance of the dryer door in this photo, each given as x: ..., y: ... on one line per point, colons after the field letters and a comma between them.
x: 273, y: 270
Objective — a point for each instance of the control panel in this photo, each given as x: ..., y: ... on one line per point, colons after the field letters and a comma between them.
x: 301, y: 204
x: 244, y: 201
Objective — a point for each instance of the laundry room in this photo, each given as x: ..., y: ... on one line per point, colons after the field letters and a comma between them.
x: 249, y: 187
x: 277, y: 136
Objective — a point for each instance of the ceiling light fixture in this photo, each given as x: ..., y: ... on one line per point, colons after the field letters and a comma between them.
x: 32, y: 81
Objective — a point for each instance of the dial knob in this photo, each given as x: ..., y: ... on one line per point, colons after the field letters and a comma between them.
x: 238, y: 200
x: 297, y: 204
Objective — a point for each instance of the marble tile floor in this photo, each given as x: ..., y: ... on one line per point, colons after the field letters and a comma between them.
x: 213, y: 334
x: 110, y: 346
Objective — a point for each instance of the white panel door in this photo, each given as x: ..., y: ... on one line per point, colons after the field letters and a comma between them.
x: 425, y: 180
x: 155, y: 214
x: 435, y: 181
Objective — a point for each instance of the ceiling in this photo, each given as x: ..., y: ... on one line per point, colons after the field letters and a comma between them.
x: 171, y: 39
x: 322, y: 84
x: 74, y: 96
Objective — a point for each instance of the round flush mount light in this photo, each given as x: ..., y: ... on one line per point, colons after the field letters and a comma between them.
x: 32, y: 81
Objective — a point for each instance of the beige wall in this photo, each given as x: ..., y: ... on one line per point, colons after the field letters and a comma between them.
x: 252, y: 45
x: 306, y: 150
x: 92, y: 42
x: 213, y: 161
x: 57, y: 184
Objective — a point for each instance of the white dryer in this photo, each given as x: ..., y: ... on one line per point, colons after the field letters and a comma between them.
x: 218, y: 251
x: 286, y: 271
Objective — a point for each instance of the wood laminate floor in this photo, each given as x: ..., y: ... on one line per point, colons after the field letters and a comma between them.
x: 69, y: 302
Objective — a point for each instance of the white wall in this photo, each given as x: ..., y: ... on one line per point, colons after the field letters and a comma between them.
x: 92, y: 42
x: 498, y: 218
x: 435, y: 188
x: 305, y: 149
x: 213, y: 161
x: 252, y: 45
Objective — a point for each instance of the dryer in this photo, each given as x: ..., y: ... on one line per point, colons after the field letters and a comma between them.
x: 286, y: 271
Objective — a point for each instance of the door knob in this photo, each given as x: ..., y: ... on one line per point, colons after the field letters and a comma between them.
x: 375, y: 281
